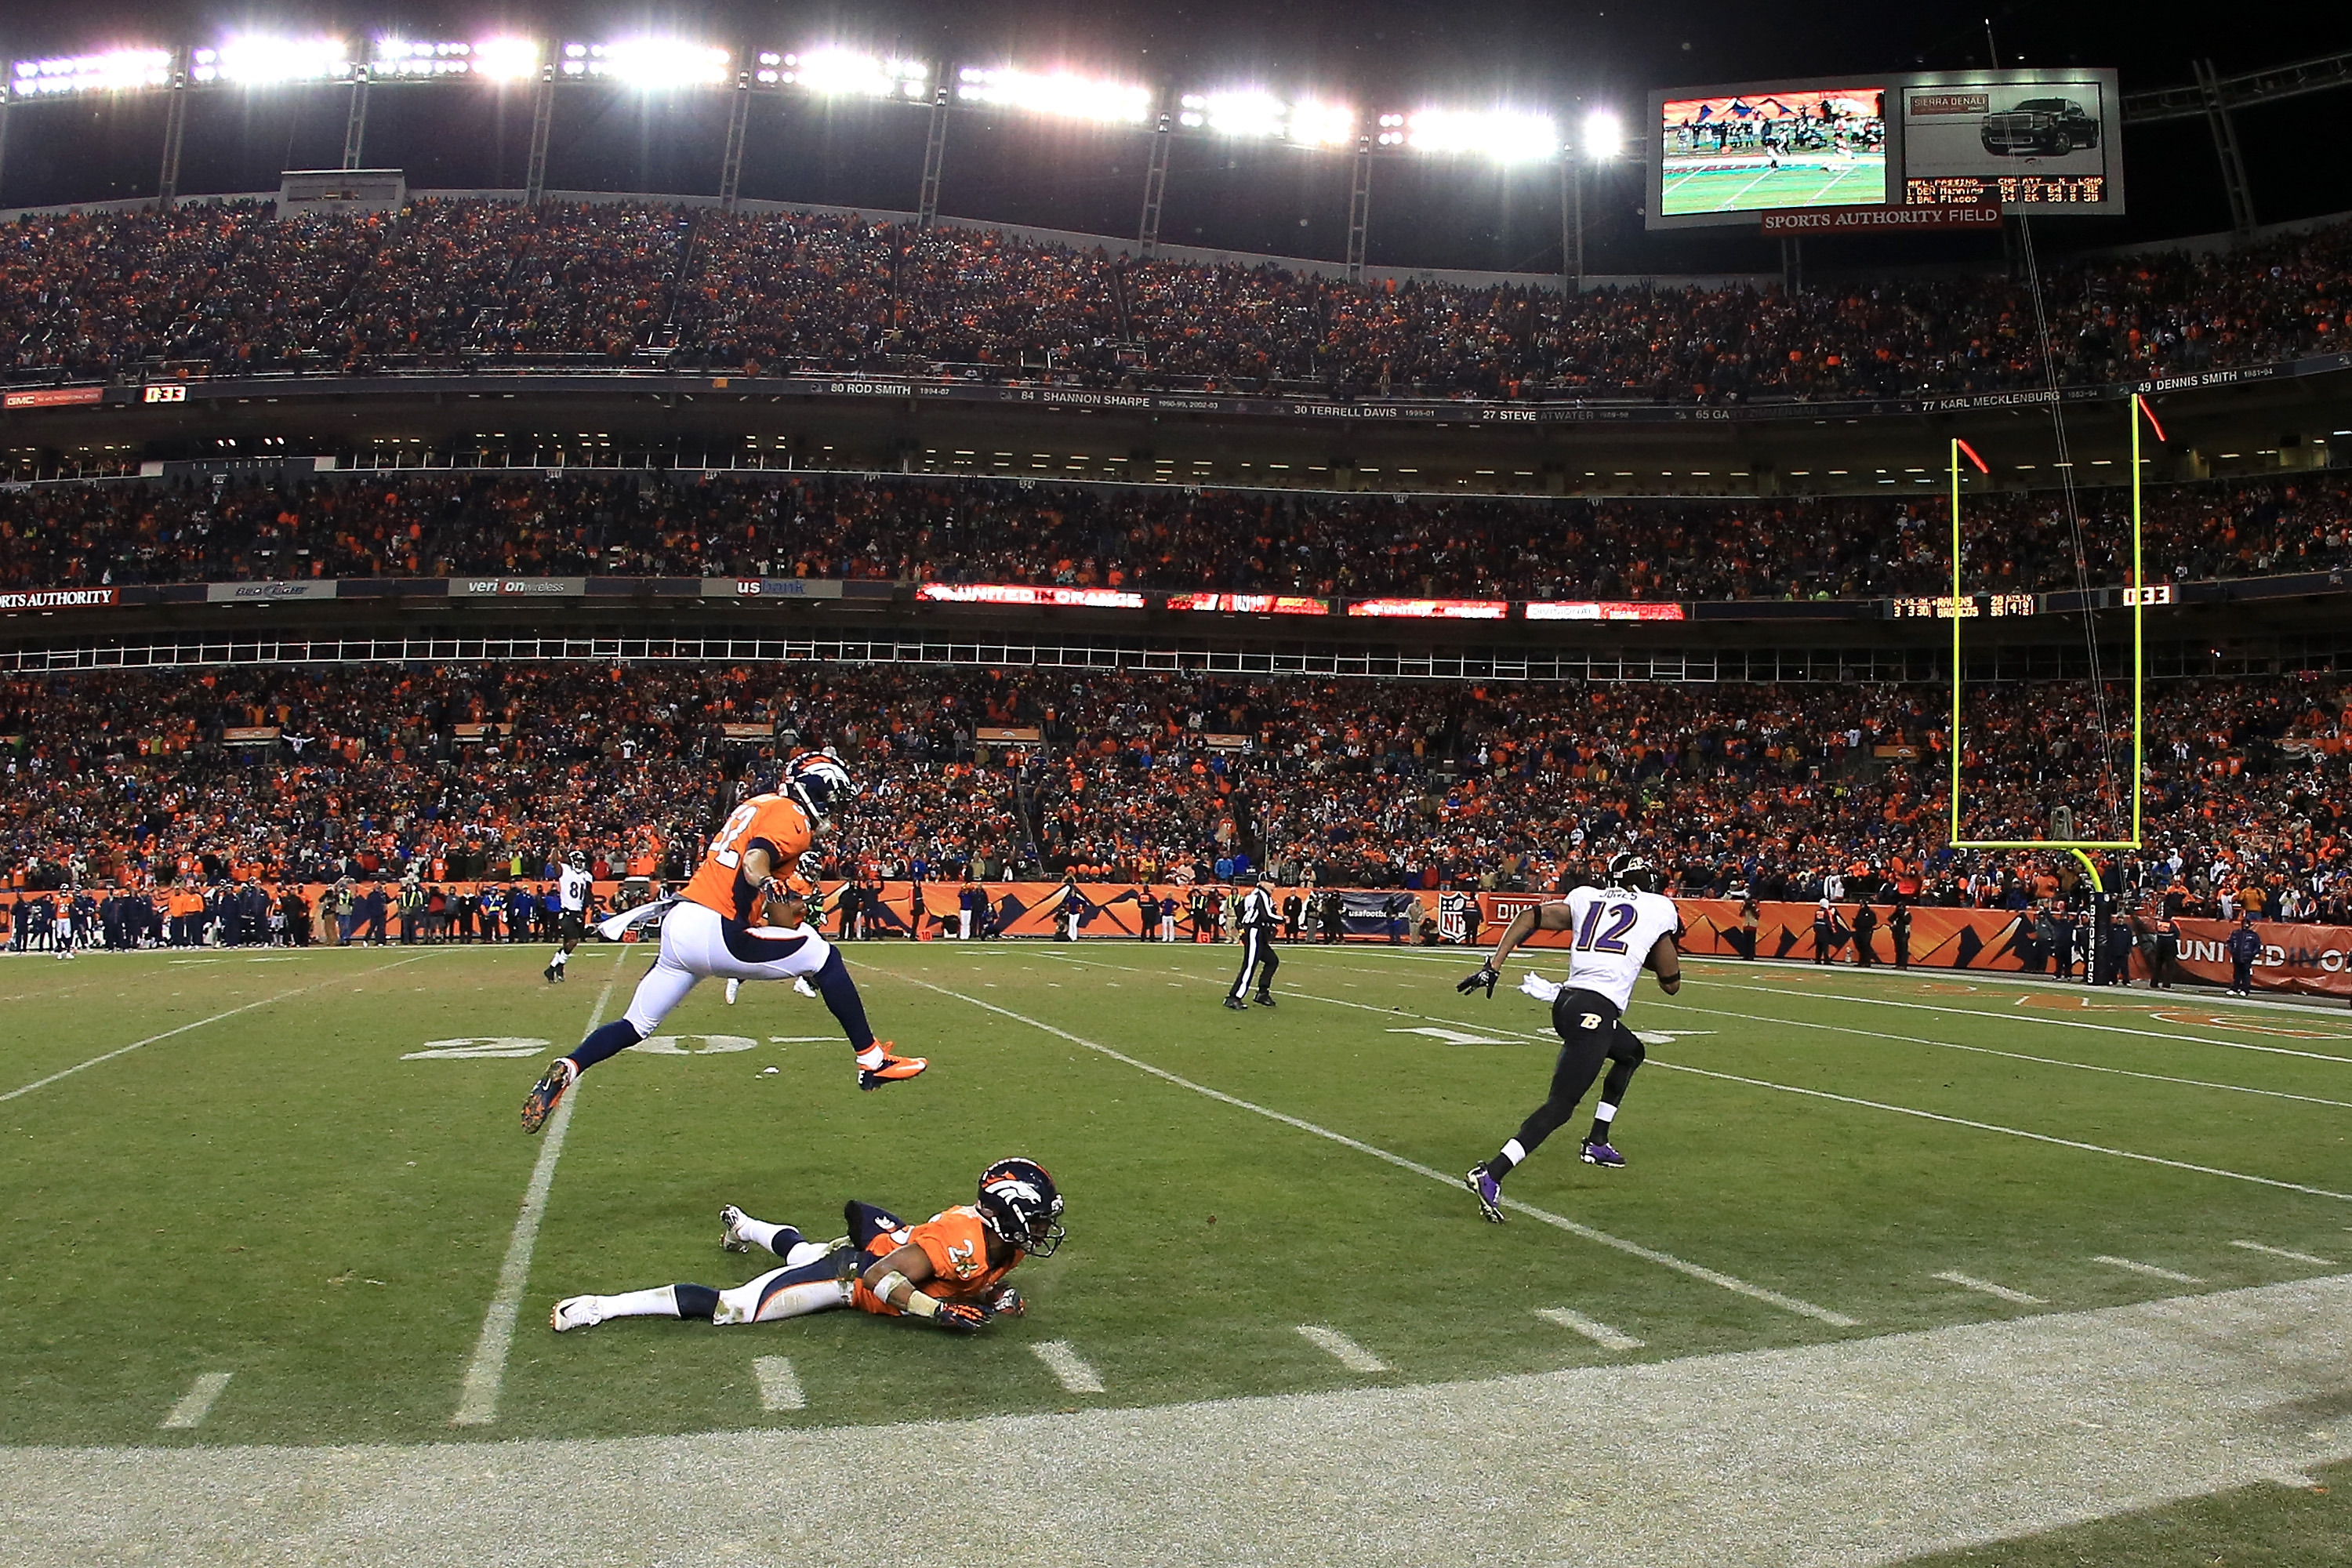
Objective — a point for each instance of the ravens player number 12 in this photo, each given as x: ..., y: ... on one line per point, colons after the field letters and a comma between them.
x: 1620, y: 931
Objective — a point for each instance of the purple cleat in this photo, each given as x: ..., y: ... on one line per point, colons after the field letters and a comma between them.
x: 1603, y: 1154
x: 1486, y: 1190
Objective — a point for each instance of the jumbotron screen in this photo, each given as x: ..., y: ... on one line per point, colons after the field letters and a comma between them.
x: 1772, y: 151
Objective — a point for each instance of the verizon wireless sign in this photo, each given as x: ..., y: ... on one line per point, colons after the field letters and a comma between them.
x: 60, y: 599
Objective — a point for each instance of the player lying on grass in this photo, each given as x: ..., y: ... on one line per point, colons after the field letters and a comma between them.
x: 949, y: 1271
x: 1621, y: 930
x: 708, y: 930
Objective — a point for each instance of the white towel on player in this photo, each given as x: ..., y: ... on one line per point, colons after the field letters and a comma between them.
x: 1536, y: 986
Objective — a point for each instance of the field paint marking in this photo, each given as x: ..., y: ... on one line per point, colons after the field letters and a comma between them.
x: 1068, y: 1367
x: 2283, y: 1252
x: 1342, y: 1349
x: 1901, y: 1110
x: 2034, y: 1018
x: 233, y: 1012
x: 2010, y: 1131
x: 1970, y: 1281
x: 1559, y: 1222
x: 2151, y: 1269
x: 477, y: 1404
x: 780, y: 1386
x: 198, y: 1402
x: 1600, y: 1333
x: 1990, y: 1051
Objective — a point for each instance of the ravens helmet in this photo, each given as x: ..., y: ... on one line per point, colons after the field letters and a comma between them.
x: 1634, y: 874
x: 577, y: 860
x: 1021, y: 1207
x: 812, y: 779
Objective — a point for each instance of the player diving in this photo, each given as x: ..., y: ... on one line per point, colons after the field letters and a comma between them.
x: 752, y: 867
x: 949, y: 1271
x: 1621, y: 930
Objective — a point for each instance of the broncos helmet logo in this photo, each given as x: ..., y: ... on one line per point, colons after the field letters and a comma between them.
x: 1019, y: 1203
x: 813, y: 779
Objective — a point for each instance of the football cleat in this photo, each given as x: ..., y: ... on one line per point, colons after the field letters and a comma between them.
x: 547, y: 974
x: 1263, y: 1000
x: 575, y: 1312
x: 734, y: 987
x: 1237, y: 1003
x: 1486, y: 1190
x: 1602, y: 1154
x: 805, y: 988
x: 893, y: 1070
x: 560, y: 1075
x: 730, y: 1237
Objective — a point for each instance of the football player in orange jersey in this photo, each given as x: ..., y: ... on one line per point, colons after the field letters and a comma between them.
x: 949, y: 1270
x: 708, y: 930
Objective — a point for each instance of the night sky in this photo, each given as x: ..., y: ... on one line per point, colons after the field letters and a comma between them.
x: 1376, y: 53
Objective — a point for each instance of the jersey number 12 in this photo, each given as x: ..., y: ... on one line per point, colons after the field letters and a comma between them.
x: 1591, y: 938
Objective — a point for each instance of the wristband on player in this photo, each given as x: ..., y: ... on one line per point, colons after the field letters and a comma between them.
x: 916, y: 1305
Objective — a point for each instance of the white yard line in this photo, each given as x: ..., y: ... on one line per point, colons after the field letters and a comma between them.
x: 2151, y: 1269
x: 477, y: 1402
x: 2283, y: 1252
x: 198, y: 1402
x: 1990, y: 1051
x: 1869, y: 1104
x: 1970, y: 1282
x: 1561, y: 1222
x: 1342, y: 1349
x: 233, y: 1012
x: 2007, y: 1132
x: 2006, y: 1017
x: 1600, y: 1333
x: 780, y: 1386
x: 1068, y: 1367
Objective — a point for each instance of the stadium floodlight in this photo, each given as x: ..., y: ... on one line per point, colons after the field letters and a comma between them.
x: 490, y: 60
x: 113, y: 70
x: 1253, y: 111
x: 1605, y: 134
x: 250, y: 59
x: 839, y: 72
x: 1055, y: 92
x: 1503, y: 135
x: 649, y: 65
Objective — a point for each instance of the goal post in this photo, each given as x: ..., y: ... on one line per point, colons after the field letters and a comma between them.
x: 2137, y: 595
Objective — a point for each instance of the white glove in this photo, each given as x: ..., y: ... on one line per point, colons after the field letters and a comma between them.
x: 1536, y: 986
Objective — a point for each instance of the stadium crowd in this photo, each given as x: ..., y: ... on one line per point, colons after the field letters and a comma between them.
x: 957, y: 529
x: 263, y: 778
x: 225, y: 289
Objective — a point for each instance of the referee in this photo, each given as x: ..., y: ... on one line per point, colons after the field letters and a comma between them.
x: 1256, y: 916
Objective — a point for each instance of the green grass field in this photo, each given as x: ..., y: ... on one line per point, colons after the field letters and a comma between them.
x: 1830, y: 182
x: 270, y: 1185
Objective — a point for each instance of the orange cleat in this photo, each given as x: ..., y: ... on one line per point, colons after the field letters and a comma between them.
x: 560, y: 1075
x: 890, y: 1070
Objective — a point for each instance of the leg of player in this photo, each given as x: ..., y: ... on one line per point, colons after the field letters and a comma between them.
x: 785, y: 1292
x: 664, y: 986
x: 1584, y: 1044
x: 1627, y: 1054
x: 1268, y: 961
x: 1237, y: 998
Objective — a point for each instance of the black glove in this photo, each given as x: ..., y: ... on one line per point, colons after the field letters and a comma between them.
x: 961, y: 1317
x: 1487, y: 976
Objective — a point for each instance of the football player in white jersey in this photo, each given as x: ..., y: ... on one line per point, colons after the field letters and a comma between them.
x: 1620, y: 931
x: 573, y: 889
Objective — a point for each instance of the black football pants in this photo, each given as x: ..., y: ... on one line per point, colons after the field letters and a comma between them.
x: 1258, y: 956
x: 1590, y: 1032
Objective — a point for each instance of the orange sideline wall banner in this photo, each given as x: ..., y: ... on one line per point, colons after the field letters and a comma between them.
x: 2304, y: 959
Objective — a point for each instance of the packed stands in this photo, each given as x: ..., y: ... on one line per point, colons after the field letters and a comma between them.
x: 963, y: 530
x: 310, y: 773
x: 458, y: 285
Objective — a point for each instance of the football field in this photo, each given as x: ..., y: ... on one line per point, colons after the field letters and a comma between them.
x: 1699, y: 186
x: 278, y: 1261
